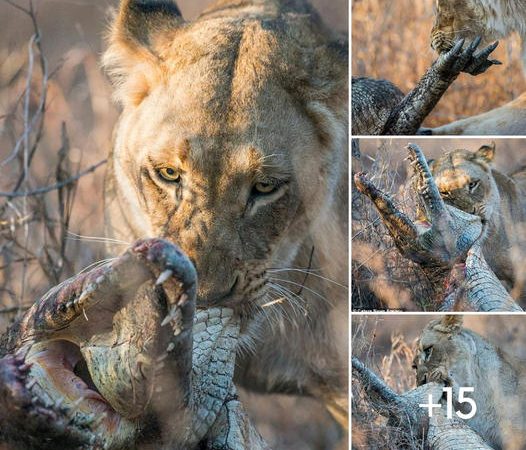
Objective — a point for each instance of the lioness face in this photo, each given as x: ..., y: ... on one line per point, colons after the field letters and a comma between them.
x: 224, y: 155
x: 456, y: 19
x: 465, y: 181
x: 445, y: 355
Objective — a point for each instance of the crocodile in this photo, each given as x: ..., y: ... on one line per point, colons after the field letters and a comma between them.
x: 119, y: 357
x: 444, y: 241
x: 403, y: 410
x: 380, y: 108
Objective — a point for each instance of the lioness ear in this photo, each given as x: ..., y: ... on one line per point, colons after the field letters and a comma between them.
x: 486, y: 152
x: 451, y: 324
x: 137, y: 36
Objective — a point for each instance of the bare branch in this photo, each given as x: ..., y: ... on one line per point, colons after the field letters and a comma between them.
x: 46, y: 189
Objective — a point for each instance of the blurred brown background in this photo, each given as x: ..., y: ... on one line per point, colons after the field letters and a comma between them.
x: 38, y: 246
x: 391, y: 40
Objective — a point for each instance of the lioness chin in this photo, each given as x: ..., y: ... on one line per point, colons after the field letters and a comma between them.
x: 232, y: 142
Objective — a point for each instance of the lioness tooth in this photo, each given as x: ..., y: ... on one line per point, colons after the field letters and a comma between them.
x: 164, y: 276
x: 170, y: 347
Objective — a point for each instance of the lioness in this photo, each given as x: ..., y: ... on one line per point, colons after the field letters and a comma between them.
x: 232, y: 142
x: 489, y: 19
x: 467, y: 181
x: 448, y: 353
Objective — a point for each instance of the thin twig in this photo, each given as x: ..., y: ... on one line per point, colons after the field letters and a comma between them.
x: 45, y: 189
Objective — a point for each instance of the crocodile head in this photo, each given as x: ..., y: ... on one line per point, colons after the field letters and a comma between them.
x: 101, y: 358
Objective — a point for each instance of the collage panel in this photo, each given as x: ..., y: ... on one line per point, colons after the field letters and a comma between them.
x: 438, y: 225
x: 174, y: 212
x: 438, y: 67
x: 443, y: 382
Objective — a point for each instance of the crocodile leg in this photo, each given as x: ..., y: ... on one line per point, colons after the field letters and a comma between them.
x: 154, y: 371
x: 452, y: 434
x: 408, y: 115
x: 477, y: 288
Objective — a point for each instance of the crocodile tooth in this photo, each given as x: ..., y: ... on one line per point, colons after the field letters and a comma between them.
x: 170, y: 347
x: 59, y: 402
x: 164, y: 276
x: 24, y: 367
x: 182, y: 300
x: 76, y: 404
x: 86, y: 292
x: 162, y: 357
x: 98, y: 420
x: 171, y: 315
x: 31, y: 383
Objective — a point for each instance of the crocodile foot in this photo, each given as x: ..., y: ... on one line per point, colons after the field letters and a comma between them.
x: 459, y: 59
x: 108, y: 351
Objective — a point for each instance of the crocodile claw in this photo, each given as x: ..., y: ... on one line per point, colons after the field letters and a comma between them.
x: 459, y: 59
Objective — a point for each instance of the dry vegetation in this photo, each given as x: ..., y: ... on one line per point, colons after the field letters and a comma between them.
x: 387, y: 344
x: 390, y: 40
x: 382, y: 279
x: 56, y: 120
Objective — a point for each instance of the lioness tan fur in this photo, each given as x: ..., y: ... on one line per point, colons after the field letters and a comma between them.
x: 448, y: 353
x: 468, y: 181
x: 506, y: 120
x: 232, y: 142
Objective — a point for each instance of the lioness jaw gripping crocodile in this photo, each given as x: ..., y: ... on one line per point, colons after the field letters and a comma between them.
x: 404, y: 410
x: 118, y: 356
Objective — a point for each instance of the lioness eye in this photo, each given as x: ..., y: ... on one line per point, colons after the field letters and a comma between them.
x: 473, y: 185
x: 264, y: 188
x: 170, y: 174
x: 427, y: 353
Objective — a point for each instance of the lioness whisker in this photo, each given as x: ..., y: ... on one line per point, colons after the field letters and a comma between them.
x: 79, y: 237
x: 304, y: 287
x: 310, y: 274
x: 293, y: 299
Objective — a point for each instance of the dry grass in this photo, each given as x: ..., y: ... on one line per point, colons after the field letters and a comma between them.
x: 390, y: 356
x: 390, y: 40
x: 55, y: 130
x: 381, y: 277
